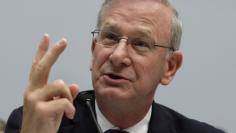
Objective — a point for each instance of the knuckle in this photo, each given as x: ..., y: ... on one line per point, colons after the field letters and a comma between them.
x: 40, y: 108
x: 34, y: 63
x: 65, y: 102
x: 39, y: 67
x: 59, y: 83
x: 29, y: 97
x: 32, y: 102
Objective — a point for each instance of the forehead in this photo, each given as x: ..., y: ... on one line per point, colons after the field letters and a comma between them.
x: 148, y: 16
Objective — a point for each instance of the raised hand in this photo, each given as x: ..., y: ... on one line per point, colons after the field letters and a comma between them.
x: 45, y: 103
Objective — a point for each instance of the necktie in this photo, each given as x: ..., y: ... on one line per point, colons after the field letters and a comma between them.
x: 115, y: 131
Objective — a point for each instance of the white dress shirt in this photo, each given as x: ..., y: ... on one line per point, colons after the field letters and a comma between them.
x: 140, y: 127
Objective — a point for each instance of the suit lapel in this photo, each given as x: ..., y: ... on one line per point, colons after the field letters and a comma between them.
x: 83, y: 119
x: 82, y: 122
x: 161, y: 121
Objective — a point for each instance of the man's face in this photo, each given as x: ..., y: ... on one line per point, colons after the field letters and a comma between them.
x: 121, y: 73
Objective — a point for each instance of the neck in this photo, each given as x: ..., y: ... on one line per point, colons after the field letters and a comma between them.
x: 123, y: 115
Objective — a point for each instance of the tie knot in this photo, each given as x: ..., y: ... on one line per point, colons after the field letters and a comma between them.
x: 115, y: 131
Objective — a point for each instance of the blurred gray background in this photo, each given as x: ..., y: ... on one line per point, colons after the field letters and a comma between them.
x: 203, y: 89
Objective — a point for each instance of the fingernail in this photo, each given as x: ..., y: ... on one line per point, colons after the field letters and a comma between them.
x: 62, y: 42
x: 71, y: 115
x: 46, y: 35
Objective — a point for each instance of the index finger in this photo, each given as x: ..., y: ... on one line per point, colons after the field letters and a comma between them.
x: 40, y: 71
x: 42, y: 48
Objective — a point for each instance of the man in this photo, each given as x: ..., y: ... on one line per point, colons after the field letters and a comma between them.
x: 135, y: 49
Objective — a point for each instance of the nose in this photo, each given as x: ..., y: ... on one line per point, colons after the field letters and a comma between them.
x: 120, y: 55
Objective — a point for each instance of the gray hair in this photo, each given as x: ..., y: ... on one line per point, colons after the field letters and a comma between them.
x: 176, y: 28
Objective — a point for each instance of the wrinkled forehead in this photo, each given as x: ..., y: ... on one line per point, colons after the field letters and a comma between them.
x: 139, y: 8
x: 146, y: 14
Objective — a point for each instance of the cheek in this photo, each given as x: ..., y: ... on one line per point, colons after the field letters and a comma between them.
x: 149, y: 73
x: 157, y: 70
x: 100, y: 56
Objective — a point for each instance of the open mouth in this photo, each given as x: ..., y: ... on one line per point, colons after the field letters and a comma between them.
x: 116, y: 77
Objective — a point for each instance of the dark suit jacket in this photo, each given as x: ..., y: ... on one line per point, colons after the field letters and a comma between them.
x: 163, y: 120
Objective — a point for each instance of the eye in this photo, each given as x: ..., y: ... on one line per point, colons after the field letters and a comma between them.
x: 140, y: 43
x: 111, y: 36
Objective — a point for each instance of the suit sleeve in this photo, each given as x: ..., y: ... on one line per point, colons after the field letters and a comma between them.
x: 14, y: 121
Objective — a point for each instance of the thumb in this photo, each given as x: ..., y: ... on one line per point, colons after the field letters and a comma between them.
x: 74, y: 90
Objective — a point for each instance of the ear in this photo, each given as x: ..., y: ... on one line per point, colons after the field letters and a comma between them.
x: 173, y: 63
x: 93, y: 45
x: 94, y: 42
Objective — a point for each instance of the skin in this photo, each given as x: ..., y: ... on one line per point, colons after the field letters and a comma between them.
x: 129, y: 97
x: 132, y: 96
x: 45, y: 103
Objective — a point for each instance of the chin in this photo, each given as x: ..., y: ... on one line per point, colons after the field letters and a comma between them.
x: 110, y: 93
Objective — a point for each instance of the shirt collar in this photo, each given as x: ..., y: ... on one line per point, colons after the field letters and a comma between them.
x: 140, y: 127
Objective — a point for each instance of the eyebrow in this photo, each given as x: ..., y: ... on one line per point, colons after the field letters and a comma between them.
x: 112, y: 27
x: 115, y: 27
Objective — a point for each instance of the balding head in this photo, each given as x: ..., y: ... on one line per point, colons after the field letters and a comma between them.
x: 176, y: 24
